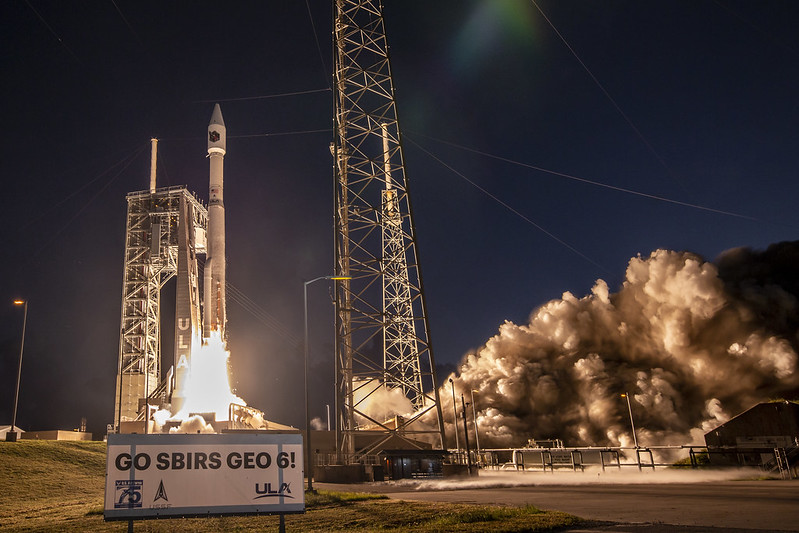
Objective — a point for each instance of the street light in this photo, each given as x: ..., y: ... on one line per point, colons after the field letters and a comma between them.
x: 632, y: 423
x: 476, y: 434
x: 11, y: 436
x: 455, y: 414
x: 307, y: 402
x: 466, y: 438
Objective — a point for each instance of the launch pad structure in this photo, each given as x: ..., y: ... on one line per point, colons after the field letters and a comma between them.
x: 383, y: 347
x: 160, y: 243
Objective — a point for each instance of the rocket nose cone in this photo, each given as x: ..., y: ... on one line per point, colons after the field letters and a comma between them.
x: 217, y: 133
x: 216, y: 116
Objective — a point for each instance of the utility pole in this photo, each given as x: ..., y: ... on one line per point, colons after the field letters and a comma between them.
x: 455, y: 415
x: 476, y: 433
x: 466, y: 435
x: 12, y: 434
x: 632, y: 423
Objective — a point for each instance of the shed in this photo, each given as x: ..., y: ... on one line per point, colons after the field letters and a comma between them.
x: 403, y: 464
x: 766, y: 435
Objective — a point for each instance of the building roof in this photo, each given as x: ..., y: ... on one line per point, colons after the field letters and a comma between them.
x: 762, y: 417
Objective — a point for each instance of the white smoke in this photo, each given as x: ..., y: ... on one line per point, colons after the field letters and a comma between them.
x: 193, y: 424
x: 689, y: 351
x: 378, y: 403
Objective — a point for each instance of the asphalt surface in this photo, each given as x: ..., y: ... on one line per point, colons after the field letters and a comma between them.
x: 634, y: 504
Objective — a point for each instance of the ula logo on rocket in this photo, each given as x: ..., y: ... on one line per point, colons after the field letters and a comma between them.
x: 213, y: 136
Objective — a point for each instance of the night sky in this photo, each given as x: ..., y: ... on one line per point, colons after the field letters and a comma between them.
x: 538, y: 159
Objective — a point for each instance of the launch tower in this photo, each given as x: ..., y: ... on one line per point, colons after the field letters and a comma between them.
x: 382, y: 333
x: 159, y: 245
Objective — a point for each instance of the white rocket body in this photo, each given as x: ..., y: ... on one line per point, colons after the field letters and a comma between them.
x: 214, y: 312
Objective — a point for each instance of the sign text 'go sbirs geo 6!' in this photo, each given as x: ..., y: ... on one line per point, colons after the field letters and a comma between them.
x: 157, y: 476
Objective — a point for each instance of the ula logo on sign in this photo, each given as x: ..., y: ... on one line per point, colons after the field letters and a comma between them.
x: 268, y: 492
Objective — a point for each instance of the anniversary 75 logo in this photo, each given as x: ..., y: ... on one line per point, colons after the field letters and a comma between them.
x: 128, y: 494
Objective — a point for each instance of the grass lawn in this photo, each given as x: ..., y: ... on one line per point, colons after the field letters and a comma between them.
x: 58, y: 486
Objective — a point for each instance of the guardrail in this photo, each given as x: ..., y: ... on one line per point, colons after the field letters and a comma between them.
x: 783, y: 460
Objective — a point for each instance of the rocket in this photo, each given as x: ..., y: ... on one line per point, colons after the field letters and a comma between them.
x: 214, y: 313
x: 187, y: 312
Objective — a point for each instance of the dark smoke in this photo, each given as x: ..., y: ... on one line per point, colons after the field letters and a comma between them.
x: 693, y: 343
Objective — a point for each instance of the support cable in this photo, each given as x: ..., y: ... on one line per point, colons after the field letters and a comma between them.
x: 611, y: 99
x: 251, y: 135
x: 280, y: 133
x: 512, y: 209
x: 125, y: 20
x: 318, y: 47
x: 66, y: 224
x: 68, y: 197
x: 52, y: 31
x: 262, y: 315
x: 595, y: 183
x: 262, y: 97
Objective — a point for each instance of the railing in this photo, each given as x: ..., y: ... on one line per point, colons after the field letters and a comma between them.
x: 245, y: 417
x: 577, y: 459
x: 781, y: 462
x: 327, y: 459
x: 617, y: 458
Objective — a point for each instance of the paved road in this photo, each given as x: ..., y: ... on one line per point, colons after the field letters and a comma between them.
x: 711, y: 506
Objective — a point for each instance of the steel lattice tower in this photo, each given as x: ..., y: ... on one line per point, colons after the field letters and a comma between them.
x: 155, y: 221
x: 381, y: 307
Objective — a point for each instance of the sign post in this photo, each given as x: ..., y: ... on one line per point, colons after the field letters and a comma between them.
x: 162, y: 476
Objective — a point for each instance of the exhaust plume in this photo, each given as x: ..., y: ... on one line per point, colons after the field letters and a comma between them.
x: 693, y: 343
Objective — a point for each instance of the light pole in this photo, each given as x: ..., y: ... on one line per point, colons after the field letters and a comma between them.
x: 466, y: 437
x: 11, y: 436
x: 307, y: 402
x: 476, y: 434
x: 455, y: 414
x: 632, y: 423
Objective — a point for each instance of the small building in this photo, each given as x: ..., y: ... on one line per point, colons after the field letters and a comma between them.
x: 387, y: 458
x: 56, y: 434
x: 404, y: 464
x: 5, y: 430
x: 767, y: 435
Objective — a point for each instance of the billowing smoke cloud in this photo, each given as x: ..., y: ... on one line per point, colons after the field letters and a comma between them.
x: 378, y: 402
x: 693, y: 343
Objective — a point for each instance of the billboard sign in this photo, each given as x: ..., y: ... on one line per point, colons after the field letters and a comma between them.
x: 159, y: 476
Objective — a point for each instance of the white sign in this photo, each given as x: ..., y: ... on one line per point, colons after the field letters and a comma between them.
x: 157, y: 476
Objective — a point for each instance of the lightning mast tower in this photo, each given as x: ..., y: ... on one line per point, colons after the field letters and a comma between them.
x: 382, y: 333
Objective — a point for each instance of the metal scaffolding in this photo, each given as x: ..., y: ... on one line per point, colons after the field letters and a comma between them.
x: 152, y: 252
x: 382, y: 335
